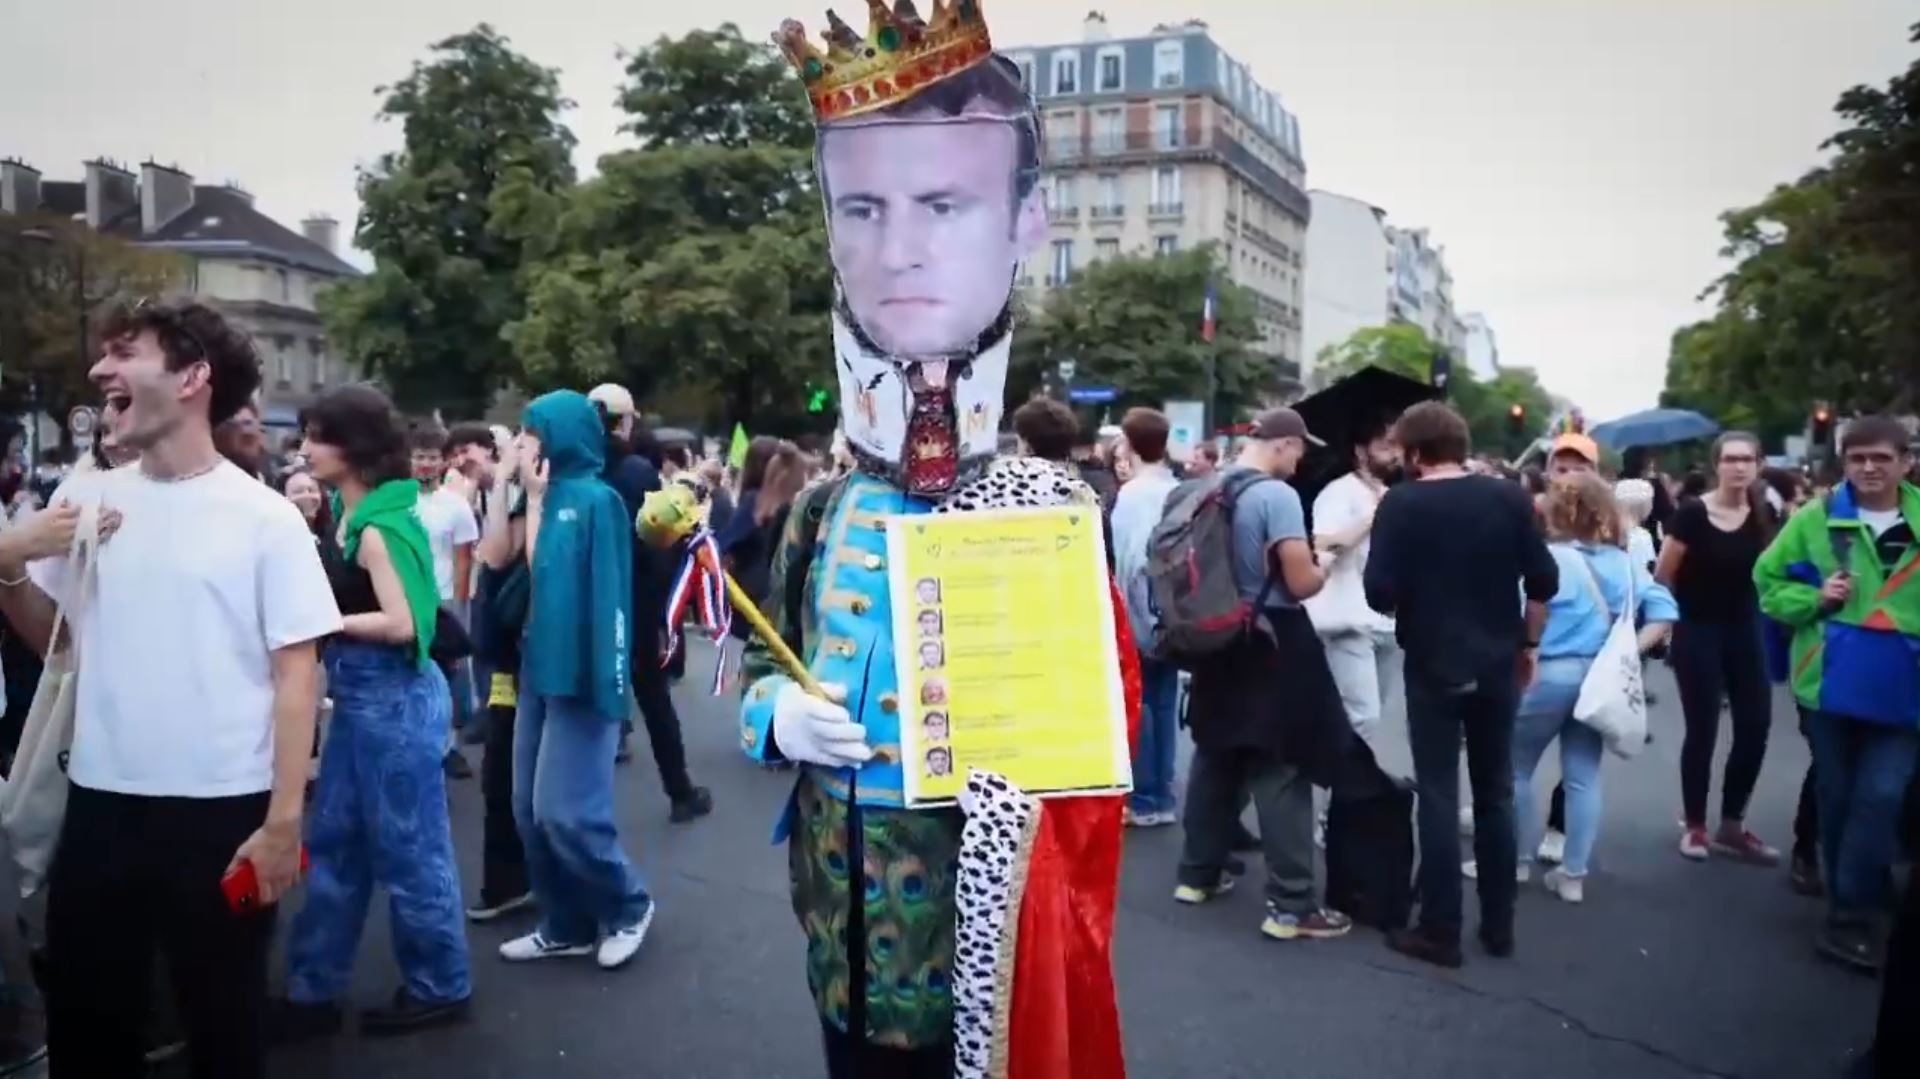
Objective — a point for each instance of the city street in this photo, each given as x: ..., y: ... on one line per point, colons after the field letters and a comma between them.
x: 1670, y: 969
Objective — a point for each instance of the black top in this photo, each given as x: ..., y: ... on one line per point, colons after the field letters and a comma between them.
x: 1448, y: 561
x: 1715, y: 579
x: 352, y: 585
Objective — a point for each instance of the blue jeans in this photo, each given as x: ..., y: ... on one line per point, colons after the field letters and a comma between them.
x: 379, y: 816
x: 563, y: 805
x: 1860, y: 771
x: 1159, y: 737
x: 1546, y: 713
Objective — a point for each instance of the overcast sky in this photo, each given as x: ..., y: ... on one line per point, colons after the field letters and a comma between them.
x: 1571, y: 156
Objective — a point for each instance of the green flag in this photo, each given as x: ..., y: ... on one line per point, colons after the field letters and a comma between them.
x: 737, y: 453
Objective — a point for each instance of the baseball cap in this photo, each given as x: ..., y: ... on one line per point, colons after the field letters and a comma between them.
x: 613, y: 397
x: 1580, y: 445
x: 1283, y: 423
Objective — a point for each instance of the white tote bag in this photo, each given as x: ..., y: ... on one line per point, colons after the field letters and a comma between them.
x: 33, y: 799
x: 1613, y: 697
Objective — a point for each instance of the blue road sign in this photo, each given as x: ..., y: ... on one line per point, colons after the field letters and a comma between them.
x: 1092, y: 395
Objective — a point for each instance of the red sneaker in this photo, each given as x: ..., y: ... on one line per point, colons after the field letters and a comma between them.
x: 1744, y: 846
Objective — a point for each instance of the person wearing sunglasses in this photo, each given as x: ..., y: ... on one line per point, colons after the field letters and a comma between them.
x: 1841, y: 575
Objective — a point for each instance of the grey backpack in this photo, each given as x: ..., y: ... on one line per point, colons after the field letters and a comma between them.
x: 1194, y: 598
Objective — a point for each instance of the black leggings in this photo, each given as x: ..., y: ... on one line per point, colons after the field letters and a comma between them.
x: 1712, y: 660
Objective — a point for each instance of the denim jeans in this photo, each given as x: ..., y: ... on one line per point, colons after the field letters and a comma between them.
x: 1546, y: 713
x: 563, y: 803
x: 1366, y: 667
x: 1439, y: 717
x: 1159, y: 737
x: 1861, y: 771
x: 379, y: 816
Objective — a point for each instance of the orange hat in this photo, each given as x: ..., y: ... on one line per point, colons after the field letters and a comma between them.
x: 1581, y: 445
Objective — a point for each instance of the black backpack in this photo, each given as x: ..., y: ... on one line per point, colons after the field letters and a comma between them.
x: 1190, y: 582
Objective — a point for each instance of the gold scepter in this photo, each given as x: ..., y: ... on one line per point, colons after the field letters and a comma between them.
x: 670, y: 515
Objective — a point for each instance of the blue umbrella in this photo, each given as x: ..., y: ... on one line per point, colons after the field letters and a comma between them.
x: 1654, y: 427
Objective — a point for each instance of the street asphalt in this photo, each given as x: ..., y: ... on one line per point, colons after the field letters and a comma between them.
x: 1670, y: 968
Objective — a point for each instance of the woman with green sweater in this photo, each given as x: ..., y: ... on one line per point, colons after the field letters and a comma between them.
x: 379, y: 813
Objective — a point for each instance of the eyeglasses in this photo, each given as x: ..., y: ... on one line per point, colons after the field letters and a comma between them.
x: 1862, y: 460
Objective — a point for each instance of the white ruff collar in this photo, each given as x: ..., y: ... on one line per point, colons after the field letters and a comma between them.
x: 875, y: 400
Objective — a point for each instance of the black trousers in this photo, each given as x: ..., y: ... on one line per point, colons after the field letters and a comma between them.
x: 1440, y: 715
x: 653, y: 690
x: 137, y: 878
x: 1712, y: 660
x: 503, y: 861
x: 849, y: 1057
x: 1806, y: 816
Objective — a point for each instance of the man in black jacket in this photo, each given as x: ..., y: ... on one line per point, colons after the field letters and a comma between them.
x: 633, y: 476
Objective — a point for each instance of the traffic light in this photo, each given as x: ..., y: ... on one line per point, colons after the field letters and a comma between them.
x: 1517, y: 420
x: 1821, y: 431
x: 818, y: 399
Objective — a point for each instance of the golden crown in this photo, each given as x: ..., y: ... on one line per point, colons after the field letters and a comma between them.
x: 901, y: 55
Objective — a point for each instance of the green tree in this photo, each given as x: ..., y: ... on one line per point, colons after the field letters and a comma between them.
x: 1133, y: 323
x: 483, y: 138
x: 55, y: 278
x: 1823, y: 300
x: 697, y: 264
x: 1402, y: 348
x: 1488, y: 407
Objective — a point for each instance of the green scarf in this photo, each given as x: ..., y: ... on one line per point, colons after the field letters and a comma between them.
x: 392, y: 508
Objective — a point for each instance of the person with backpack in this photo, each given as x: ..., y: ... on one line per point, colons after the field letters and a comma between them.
x: 1265, y: 712
x: 1448, y: 553
x: 1840, y: 574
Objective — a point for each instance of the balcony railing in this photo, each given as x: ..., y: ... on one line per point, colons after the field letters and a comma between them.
x: 1062, y: 149
x: 1054, y: 280
x: 1099, y: 213
x: 1064, y: 213
x: 1166, y: 209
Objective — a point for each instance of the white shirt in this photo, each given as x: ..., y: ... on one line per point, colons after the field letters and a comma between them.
x: 1879, y: 520
x: 450, y: 524
x: 1640, y: 548
x: 205, y: 578
x: 1341, y: 606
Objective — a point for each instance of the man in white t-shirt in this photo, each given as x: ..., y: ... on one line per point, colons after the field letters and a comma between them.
x: 1359, y: 641
x: 452, y: 531
x: 197, y: 686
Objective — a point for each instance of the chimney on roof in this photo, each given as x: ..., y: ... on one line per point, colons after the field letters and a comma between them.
x: 322, y: 229
x: 19, y: 187
x: 1095, y: 27
x: 234, y: 187
x: 111, y: 191
x: 165, y: 193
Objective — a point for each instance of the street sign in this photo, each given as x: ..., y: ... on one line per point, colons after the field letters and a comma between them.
x: 81, y: 421
x: 1092, y: 395
x: 1187, y: 428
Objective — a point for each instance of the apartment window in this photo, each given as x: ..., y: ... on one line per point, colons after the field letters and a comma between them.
x: 1166, y: 189
x: 1169, y: 63
x: 1109, y: 131
x: 285, y: 289
x: 1066, y: 195
x: 1234, y: 86
x: 1166, y: 126
x: 1166, y: 245
x: 1025, y: 64
x: 1109, y: 204
x: 1106, y: 249
x: 283, y: 360
x: 1062, y: 262
x: 1112, y: 67
x: 1066, y: 72
x: 319, y: 354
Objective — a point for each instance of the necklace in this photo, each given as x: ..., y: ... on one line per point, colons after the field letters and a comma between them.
x: 184, y: 476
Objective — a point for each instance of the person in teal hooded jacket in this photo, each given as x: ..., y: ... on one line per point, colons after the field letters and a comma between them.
x: 574, y: 691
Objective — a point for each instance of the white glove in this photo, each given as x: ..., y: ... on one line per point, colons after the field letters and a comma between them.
x: 806, y: 728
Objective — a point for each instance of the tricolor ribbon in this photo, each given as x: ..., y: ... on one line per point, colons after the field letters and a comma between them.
x: 701, y: 585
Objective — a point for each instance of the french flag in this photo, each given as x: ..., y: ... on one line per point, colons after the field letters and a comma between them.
x: 1209, y: 315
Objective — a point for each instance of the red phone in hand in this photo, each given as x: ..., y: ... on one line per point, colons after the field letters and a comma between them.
x: 242, y: 884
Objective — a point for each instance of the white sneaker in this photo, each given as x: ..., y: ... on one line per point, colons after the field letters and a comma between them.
x: 1569, y: 889
x: 1553, y: 848
x: 621, y: 944
x: 534, y: 946
x: 1470, y: 869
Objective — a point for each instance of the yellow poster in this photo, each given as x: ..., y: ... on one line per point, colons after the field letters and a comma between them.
x: 1004, y: 638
